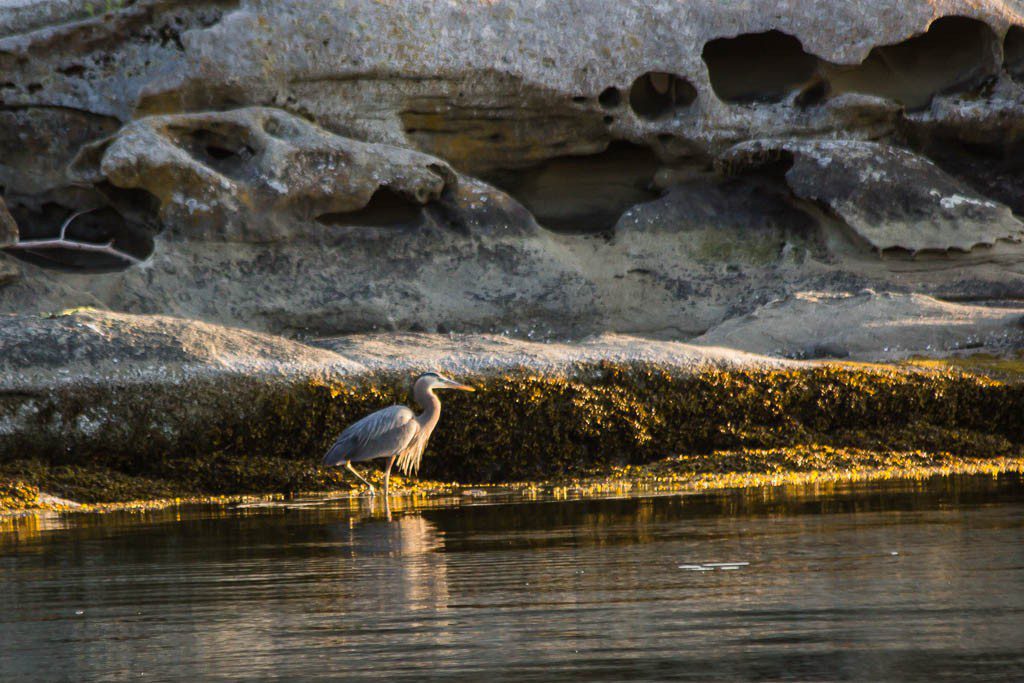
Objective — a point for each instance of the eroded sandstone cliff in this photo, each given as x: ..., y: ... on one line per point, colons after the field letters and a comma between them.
x: 534, y: 168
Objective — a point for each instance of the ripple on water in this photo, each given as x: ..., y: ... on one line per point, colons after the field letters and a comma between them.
x: 585, y: 589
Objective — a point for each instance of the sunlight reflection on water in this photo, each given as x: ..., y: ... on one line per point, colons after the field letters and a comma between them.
x: 906, y: 580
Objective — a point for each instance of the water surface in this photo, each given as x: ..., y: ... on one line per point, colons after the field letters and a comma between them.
x: 906, y: 580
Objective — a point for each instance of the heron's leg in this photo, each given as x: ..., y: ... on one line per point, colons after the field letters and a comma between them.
x: 348, y: 466
x: 387, y: 474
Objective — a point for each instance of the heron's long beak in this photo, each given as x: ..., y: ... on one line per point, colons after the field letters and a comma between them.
x: 449, y: 384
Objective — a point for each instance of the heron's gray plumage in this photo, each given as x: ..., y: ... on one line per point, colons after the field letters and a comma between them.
x: 378, y: 435
x: 395, y: 432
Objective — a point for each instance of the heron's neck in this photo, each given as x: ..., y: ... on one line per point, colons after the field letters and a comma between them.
x: 431, y: 405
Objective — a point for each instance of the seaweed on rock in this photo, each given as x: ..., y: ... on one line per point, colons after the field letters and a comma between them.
x: 523, y: 425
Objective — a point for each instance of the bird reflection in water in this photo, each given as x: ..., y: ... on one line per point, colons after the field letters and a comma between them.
x: 404, y: 547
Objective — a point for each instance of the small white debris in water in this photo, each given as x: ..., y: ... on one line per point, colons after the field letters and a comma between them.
x: 712, y: 566
x: 894, y: 553
x: 79, y: 612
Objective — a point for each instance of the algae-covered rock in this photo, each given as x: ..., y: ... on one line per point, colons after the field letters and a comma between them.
x: 214, y: 410
x: 448, y: 180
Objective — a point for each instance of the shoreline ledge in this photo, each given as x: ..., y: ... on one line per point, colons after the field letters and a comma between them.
x: 101, y: 407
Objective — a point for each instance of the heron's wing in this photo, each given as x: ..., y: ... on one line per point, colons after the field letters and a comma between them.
x: 378, y: 435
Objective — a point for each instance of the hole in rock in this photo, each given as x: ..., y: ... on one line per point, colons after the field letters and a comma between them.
x: 656, y: 94
x: 97, y: 227
x: 955, y: 54
x: 583, y: 194
x: 813, y: 93
x: 226, y: 152
x: 757, y: 67
x: 1013, y: 52
x: 219, y: 153
x: 610, y: 98
x: 771, y: 168
x: 386, y: 209
x: 281, y: 128
x: 135, y: 204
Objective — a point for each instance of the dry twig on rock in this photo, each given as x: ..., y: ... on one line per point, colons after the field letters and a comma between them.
x: 62, y: 242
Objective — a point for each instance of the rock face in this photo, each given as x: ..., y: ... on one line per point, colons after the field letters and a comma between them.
x: 542, y: 169
x: 889, y: 197
x: 8, y: 228
x: 869, y: 326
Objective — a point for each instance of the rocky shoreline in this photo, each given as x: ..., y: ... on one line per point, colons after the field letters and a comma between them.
x: 718, y: 471
x: 644, y: 229
x: 101, y: 407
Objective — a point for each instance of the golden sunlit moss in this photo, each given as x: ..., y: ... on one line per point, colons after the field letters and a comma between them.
x: 676, y: 477
x: 15, y: 495
x: 721, y: 470
x: 997, y: 367
x: 522, y: 425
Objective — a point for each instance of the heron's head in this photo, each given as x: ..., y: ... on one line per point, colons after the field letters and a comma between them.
x: 435, y: 380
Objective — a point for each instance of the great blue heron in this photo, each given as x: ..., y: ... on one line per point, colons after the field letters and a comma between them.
x: 395, y: 433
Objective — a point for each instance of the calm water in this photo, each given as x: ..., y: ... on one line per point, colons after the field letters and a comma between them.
x: 908, y: 581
